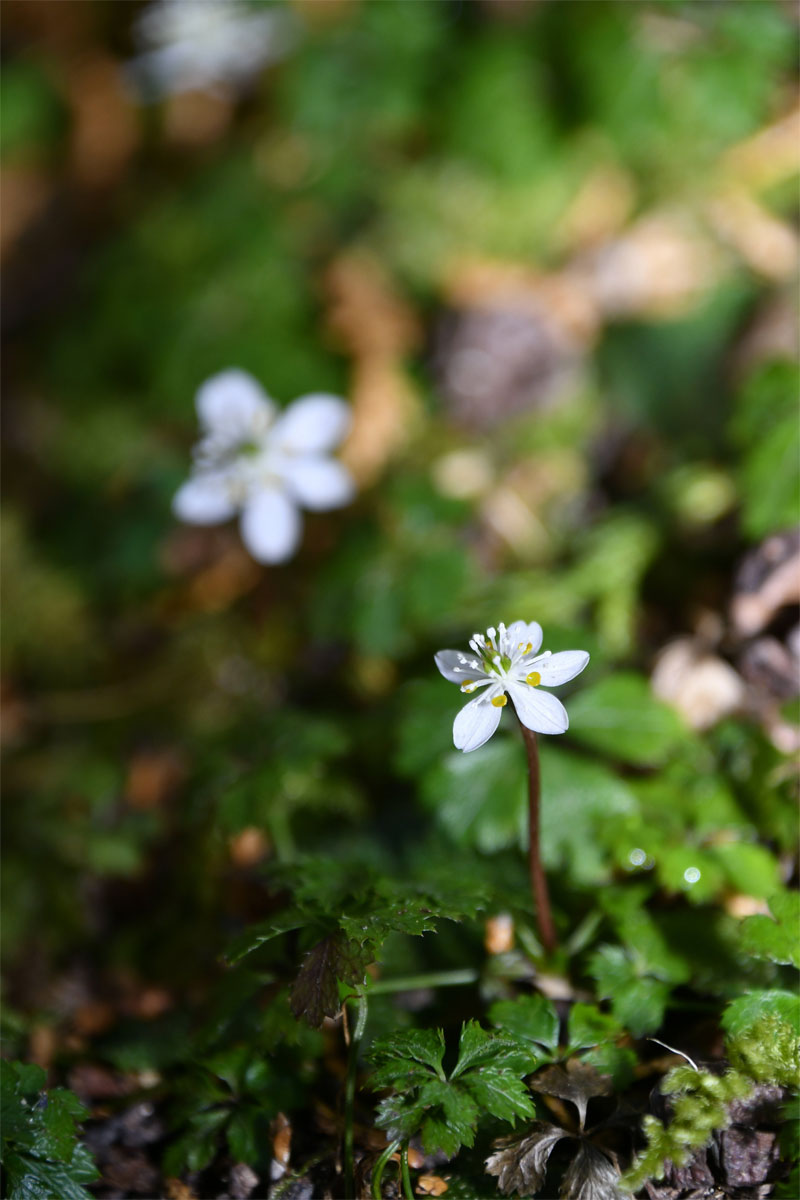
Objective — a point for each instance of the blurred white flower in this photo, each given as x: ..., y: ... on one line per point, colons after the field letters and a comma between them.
x: 193, y: 45
x: 264, y: 463
x: 507, y: 662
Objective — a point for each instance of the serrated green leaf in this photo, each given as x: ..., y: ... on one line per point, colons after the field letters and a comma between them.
x: 621, y: 717
x: 528, y: 1019
x: 399, y: 1052
x: 638, y: 1000
x: 775, y: 938
x: 454, y: 1124
x: 499, y: 1093
x: 265, y: 931
x: 744, y: 1012
x: 588, y: 1026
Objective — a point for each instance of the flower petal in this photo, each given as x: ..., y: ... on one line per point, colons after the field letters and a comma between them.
x: 452, y: 665
x: 234, y: 404
x: 539, y: 711
x: 475, y: 724
x: 561, y: 667
x: 271, y: 526
x: 204, y: 500
x: 319, y: 483
x: 312, y: 424
x: 524, y: 632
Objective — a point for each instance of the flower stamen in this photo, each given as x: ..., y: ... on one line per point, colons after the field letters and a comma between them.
x: 534, y: 679
x: 500, y: 701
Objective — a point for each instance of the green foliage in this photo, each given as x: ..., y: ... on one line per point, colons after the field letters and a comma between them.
x: 620, y: 717
x: 346, y: 912
x: 764, y: 427
x: 775, y: 937
x: 443, y: 1109
x: 748, y: 1010
x: 42, y: 1158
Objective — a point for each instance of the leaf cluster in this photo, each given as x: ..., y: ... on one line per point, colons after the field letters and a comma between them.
x: 42, y: 1158
x: 444, y: 1109
x: 345, y: 912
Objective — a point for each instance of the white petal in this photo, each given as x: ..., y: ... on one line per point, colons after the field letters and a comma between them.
x: 559, y: 668
x: 539, y: 711
x: 204, y: 500
x: 233, y: 403
x: 452, y: 665
x: 312, y: 424
x: 524, y: 632
x: 271, y: 526
x: 319, y: 483
x: 475, y: 724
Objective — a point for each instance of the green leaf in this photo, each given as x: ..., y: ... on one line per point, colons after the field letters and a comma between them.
x: 748, y: 868
x: 765, y: 428
x: 746, y: 1011
x: 445, y: 1112
x: 579, y: 800
x: 42, y: 1157
x: 529, y: 1019
x: 621, y: 717
x: 32, y: 1178
x: 500, y: 1094
x: 588, y: 1026
x: 775, y: 937
x: 398, y: 1054
x: 480, y: 799
x: 638, y: 1000
x: 265, y: 931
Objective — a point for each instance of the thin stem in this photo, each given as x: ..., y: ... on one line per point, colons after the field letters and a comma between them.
x: 350, y: 1094
x: 434, y: 979
x: 408, y: 1191
x: 380, y: 1167
x: 541, y: 898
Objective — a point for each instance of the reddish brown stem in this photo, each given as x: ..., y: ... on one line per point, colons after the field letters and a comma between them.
x: 541, y: 898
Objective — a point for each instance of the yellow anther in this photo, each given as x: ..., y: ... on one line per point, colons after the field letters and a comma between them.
x: 500, y: 701
x: 469, y: 686
x: 534, y: 679
x: 525, y: 649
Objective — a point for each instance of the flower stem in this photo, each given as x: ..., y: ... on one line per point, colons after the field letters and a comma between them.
x: 541, y: 899
x: 350, y: 1093
x: 380, y: 1167
x: 408, y: 1191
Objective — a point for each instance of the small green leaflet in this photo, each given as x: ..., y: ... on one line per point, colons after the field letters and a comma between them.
x: 445, y: 1111
x: 776, y: 937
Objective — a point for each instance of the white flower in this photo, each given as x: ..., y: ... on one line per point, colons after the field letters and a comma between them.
x: 264, y: 463
x: 507, y: 662
x: 203, y: 44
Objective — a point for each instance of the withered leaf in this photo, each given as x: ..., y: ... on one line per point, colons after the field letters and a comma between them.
x: 315, y: 994
x: 591, y: 1176
x: 521, y: 1164
x: 577, y: 1082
